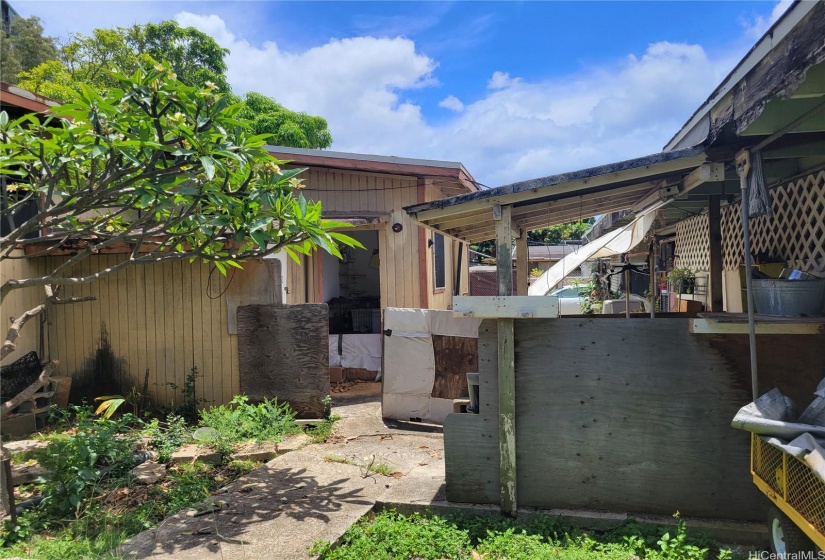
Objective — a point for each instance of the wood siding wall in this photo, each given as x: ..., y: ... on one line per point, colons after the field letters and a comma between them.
x: 344, y: 191
x: 166, y: 317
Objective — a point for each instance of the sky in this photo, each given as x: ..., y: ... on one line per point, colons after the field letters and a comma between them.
x: 513, y: 90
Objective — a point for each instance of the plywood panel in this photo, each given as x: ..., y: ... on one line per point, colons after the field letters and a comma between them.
x: 455, y: 356
x: 607, y: 419
x: 283, y: 352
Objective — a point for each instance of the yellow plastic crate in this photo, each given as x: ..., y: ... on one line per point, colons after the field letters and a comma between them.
x: 792, y: 486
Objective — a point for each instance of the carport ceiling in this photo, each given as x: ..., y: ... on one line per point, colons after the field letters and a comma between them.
x: 559, y: 198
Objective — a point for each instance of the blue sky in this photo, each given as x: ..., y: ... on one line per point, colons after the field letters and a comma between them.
x: 514, y: 90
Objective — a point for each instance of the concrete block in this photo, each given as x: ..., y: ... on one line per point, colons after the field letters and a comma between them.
x: 149, y: 472
x: 293, y: 442
x: 24, y: 445
x: 192, y: 453
x: 460, y: 405
x: 26, y: 473
x: 251, y: 454
x: 18, y: 425
x: 62, y: 386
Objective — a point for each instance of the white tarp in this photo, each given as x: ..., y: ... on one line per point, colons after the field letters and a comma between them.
x: 409, y: 361
x: 357, y: 351
x: 773, y: 417
x: 615, y: 242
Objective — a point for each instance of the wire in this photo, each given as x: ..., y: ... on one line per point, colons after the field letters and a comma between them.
x: 209, y: 283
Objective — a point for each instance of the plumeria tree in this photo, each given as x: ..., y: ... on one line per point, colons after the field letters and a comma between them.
x: 152, y: 166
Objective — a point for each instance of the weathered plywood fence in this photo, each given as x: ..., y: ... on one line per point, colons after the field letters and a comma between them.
x: 623, y: 415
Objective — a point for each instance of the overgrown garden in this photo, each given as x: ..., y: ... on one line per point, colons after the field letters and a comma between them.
x: 93, y: 495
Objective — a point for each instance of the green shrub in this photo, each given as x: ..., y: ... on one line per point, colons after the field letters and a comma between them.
x: 77, y: 463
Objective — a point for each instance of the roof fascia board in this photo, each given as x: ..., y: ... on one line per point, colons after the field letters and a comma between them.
x: 778, y: 31
x: 376, y: 164
x: 34, y: 103
x: 366, y: 165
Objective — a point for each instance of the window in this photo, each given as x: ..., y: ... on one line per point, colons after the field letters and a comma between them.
x: 439, y: 278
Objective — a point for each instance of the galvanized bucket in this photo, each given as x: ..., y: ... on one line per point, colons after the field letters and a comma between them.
x: 789, y: 298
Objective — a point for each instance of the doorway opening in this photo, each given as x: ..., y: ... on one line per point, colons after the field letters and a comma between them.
x: 352, y: 289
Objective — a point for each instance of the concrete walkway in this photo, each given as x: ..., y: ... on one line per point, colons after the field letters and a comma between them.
x: 281, y: 509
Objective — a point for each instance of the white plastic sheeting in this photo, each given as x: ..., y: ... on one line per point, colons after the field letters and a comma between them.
x: 774, y: 418
x: 409, y: 361
x: 615, y: 242
x: 357, y: 351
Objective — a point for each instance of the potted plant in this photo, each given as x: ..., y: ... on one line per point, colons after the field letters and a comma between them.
x: 683, y: 279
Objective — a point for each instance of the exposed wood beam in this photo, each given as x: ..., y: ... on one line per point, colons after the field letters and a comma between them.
x: 586, y: 185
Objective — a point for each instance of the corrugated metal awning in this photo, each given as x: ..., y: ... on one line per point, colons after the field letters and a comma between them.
x: 560, y: 198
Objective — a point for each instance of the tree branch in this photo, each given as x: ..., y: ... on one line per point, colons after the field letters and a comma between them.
x: 10, y: 344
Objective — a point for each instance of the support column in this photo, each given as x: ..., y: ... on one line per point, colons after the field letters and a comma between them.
x: 522, y: 263
x: 504, y: 249
x: 506, y: 365
x: 715, y: 301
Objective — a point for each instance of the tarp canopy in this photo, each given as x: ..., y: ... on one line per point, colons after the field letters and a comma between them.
x: 615, y: 242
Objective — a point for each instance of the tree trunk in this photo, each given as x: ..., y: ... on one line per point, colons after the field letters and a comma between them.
x: 28, y: 392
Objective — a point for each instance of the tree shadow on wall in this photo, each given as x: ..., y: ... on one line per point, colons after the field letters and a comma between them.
x: 102, y: 373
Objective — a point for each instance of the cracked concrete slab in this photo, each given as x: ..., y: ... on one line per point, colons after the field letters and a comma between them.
x: 281, y: 509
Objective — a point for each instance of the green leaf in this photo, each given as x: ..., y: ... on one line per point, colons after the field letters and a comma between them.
x: 292, y: 255
x: 87, y: 474
x: 261, y: 239
x: 208, y: 166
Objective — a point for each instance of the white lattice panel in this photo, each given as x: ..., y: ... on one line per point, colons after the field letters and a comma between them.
x: 795, y: 233
x: 693, y: 243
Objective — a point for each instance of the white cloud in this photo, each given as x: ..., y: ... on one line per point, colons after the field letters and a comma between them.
x: 452, y: 103
x: 756, y: 27
x: 500, y: 80
x: 519, y: 129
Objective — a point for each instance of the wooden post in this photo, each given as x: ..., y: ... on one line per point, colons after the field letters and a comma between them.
x: 522, y: 264
x: 506, y: 365
x: 654, y: 284
x: 715, y: 300
x: 504, y: 249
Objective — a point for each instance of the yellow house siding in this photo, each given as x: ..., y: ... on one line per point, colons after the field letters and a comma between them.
x: 157, y: 316
x: 20, y: 301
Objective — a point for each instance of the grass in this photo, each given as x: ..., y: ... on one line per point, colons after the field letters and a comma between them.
x: 391, y: 536
x: 117, y: 513
x: 321, y: 432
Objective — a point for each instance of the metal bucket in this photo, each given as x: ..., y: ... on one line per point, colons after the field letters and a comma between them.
x: 789, y: 298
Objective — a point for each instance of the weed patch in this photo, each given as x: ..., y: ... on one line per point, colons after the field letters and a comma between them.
x: 389, y: 535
